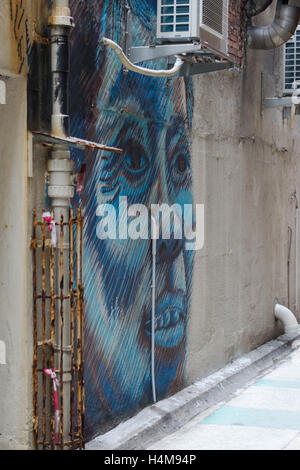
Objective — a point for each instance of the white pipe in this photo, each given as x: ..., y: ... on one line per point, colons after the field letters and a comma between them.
x: 297, y: 255
x: 154, y: 235
x: 142, y: 70
x: 61, y: 188
x: 295, y: 102
x: 2, y: 92
x: 291, y: 326
x: 294, y: 196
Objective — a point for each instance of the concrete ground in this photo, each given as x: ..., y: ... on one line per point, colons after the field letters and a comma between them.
x: 262, y: 416
x: 251, y: 403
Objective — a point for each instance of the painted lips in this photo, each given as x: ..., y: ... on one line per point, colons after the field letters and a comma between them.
x: 170, y: 322
x: 169, y: 318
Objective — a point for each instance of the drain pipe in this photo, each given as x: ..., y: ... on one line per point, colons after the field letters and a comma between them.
x: 155, y: 235
x: 290, y: 236
x: 61, y: 189
x: 280, y: 31
x: 297, y: 251
x: 288, y: 319
x: 295, y: 198
x: 60, y: 167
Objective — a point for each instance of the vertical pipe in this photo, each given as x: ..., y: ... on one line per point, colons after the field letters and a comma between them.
x: 82, y: 331
x: 154, y: 238
x: 78, y: 325
x: 35, y: 337
x: 52, y: 327
x: 43, y: 321
x: 61, y: 189
x: 61, y: 329
x: 71, y: 288
x: 297, y: 254
x: 290, y: 235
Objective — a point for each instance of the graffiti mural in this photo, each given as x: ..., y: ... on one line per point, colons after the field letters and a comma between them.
x: 150, y: 118
x: 21, y: 35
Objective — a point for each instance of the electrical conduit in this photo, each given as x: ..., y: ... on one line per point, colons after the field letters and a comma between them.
x: 142, y: 70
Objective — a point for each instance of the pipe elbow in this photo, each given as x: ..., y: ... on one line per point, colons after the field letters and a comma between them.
x: 277, y: 33
x: 288, y: 319
x: 260, y: 6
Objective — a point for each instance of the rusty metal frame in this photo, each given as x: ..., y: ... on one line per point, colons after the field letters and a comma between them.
x: 50, y: 295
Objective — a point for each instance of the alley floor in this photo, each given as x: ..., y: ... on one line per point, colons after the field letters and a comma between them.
x: 263, y: 416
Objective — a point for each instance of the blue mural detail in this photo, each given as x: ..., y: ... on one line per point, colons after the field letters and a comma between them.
x: 150, y: 118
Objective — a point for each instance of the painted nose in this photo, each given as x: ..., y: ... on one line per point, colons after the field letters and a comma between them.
x: 168, y: 250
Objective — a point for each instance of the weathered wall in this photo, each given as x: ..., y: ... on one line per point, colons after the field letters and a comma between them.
x: 15, y: 375
x: 245, y: 171
x: 15, y: 315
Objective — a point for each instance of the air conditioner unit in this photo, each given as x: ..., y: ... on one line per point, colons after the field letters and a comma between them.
x: 292, y: 63
x: 205, y: 21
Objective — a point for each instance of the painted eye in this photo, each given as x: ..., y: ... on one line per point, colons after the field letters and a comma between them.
x: 181, y: 164
x: 135, y: 157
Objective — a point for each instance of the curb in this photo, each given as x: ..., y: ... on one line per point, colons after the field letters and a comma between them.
x: 170, y: 414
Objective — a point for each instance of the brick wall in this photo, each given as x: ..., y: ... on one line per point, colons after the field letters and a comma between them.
x: 236, y: 31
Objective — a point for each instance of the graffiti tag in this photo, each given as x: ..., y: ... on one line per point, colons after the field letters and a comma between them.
x: 20, y: 31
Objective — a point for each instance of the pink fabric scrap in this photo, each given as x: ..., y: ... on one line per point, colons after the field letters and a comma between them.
x: 51, y: 227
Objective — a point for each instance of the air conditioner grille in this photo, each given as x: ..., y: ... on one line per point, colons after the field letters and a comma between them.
x: 292, y: 62
x: 175, y: 16
x: 215, y: 15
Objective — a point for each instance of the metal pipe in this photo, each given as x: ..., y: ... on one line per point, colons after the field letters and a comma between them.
x: 297, y: 250
x: 290, y: 236
x: 61, y: 190
x: 294, y: 197
x: 277, y: 33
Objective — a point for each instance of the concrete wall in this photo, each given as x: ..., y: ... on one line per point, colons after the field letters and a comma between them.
x: 15, y: 375
x: 246, y: 169
x: 15, y: 274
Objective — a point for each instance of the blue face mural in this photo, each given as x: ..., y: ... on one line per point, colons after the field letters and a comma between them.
x: 150, y: 119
